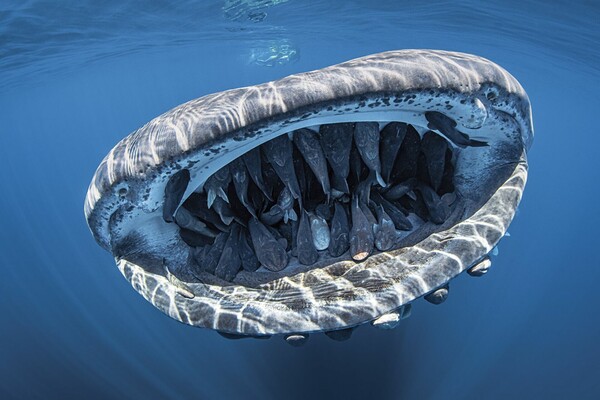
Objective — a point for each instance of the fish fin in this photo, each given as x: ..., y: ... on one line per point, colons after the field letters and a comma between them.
x: 221, y: 193
x: 292, y: 215
x: 380, y: 179
x: 210, y: 197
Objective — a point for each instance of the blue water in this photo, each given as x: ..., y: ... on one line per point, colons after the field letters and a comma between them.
x: 77, y: 76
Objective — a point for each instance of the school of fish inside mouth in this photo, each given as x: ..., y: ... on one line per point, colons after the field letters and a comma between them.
x: 336, y: 191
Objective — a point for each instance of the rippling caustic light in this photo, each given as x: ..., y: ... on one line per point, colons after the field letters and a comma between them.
x: 321, y: 201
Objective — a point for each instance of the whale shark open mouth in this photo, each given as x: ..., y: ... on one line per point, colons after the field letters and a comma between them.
x: 321, y: 201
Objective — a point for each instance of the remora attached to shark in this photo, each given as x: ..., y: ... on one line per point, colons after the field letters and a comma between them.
x: 248, y: 263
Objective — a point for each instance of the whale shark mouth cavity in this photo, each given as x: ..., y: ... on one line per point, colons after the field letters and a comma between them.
x: 321, y: 201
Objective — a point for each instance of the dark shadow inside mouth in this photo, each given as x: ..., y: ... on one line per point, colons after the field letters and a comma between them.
x: 313, y: 197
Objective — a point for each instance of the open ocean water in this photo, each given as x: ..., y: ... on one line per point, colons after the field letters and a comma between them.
x: 77, y: 76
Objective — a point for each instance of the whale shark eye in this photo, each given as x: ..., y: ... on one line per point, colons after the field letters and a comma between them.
x: 319, y: 202
x: 491, y: 94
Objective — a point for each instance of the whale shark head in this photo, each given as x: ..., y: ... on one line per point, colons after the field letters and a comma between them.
x: 320, y: 201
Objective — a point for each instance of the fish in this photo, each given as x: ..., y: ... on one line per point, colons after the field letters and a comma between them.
x: 340, y: 231
x: 434, y: 149
x: 230, y: 263
x: 398, y: 217
x: 249, y: 260
x: 241, y: 182
x: 447, y: 127
x: 174, y: 190
x: 384, y: 230
x: 361, y: 233
x: 336, y: 142
x: 366, y: 138
x: 320, y: 232
x: 401, y: 189
x: 278, y: 152
x: 437, y: 209
x: 405, y: 166
x: 253, y: 163
x: 307, y: 252
x: 216, y: 185
x: 307, y: 142
x: 268, y: 250
x: 186, y: 220
x: 392, y: 136
x: 214, y: 253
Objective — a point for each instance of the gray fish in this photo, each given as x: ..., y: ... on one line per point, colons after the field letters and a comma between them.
x: 397, y: 191
x: 294, y: 228
x: 307, y: 142
x: 438, y: 296
x: 240, y: 183
x: 368, y: 214
x: 361, y: 233
x: 398, y: 217
x: 283, y: 210
x: 249, y: 261
x: 363, y: 189
x: 448, y: 199
x: 405, y: 166
x: 268, y: 250
x: 340, y: 232
x: 186, y: 220
x: 200, y: 255
x: 194, y: 239
x: 324, y: 211
x: 229, y: 262
x: 234, y: 336
x: 356, y: 166
x: 197, y: 205
x: 339, y: 186
x: 434, y: 148
x: 297, y: 339
x: 447, y: 126
x: 418, y: 206
x: 385, y: 230
x: 320, y: 231
x: 340, y: 335
x: 257, y: 199
x: 447, y: 184
x: 422, y: 169
x: 254, y: 165
x: 274, y: 184
x: 278, y: 236
x: 285, y: 231
x: 279, y: 154
x: 273, y: 216
x: 392, y: 136
x: 286, y: 202
x: 314, y: 194
x: 299, y: 168
x: 223, y: 210
x: 214, y: 253
x: 174, y: 190
x: 366, y: 137
x: 438, y: 211
x: 216, y: 185
x: 336, y: 142
x: 307, y: 253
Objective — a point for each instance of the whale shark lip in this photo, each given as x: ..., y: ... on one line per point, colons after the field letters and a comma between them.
x: 477, y: 102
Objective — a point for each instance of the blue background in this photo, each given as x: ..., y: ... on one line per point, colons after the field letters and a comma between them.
x: 76, y: 76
